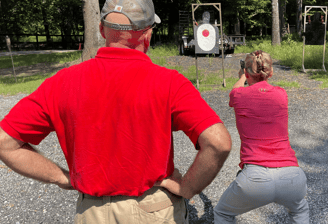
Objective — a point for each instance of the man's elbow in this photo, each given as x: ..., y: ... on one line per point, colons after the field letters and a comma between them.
x: 226, y: 142
x: 216, y: 138
x: 8, y: 143
x: 223, y: 145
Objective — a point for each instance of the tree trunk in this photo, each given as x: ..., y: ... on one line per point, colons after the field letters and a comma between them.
x: 299, y: 18
x: 275, y: 23
x: 92, y: 37
x: 1, y: 11
x: 173, y: 18
x: 237, y: 25
x: 245, y: 29
x: 45, y: 23
x: 62, y: 34
x: 282, y: 12
x: 68, y: 33
x: 3, y: 8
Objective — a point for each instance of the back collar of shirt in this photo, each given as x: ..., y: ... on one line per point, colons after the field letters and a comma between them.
x: 121, y: 53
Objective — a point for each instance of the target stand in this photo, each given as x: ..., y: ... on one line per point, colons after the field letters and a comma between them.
x: 206, y: 36
x: 315, y: 33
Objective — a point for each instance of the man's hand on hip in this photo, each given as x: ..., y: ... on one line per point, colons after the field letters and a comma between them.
x: 172, y: 183
x: 65, y: 183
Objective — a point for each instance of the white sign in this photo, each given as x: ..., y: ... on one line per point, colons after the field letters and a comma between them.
x: 206, y: 37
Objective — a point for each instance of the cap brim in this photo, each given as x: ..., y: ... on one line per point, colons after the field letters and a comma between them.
x: 157, y: 19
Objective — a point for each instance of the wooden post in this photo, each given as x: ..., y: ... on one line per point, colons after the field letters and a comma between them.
x: 37, y: 41
x: 324, y: 45
x: 12, y: 61
x: 307, y: 9
x: 197, y: 84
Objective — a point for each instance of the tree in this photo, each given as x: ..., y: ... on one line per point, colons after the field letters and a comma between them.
x: 256, y: 14
x: 275, y: 23
x: 299, y: 18
x: 282, y: 13
x: 92, y: 37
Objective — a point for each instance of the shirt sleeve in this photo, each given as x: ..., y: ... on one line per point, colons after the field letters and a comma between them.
x: 233, y: 95
x: 190, y: 112
x: 28, y: 120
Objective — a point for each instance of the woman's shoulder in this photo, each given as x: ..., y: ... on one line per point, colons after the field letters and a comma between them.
x: 280, y: 89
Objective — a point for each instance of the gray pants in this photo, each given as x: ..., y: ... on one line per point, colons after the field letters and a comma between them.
x: 256, y: 186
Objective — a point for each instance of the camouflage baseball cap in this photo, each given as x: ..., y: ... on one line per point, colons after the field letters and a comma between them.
x: 141, y: 13
x: 258, y: 63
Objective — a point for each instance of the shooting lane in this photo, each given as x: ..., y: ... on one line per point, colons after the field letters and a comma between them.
x: 207, y: 36
x: 315, y: 32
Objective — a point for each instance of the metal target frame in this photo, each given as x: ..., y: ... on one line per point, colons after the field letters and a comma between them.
x: 219, y: 24
x: 307, y: 9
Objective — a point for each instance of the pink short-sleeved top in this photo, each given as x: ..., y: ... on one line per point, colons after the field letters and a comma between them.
x: 262, y: 122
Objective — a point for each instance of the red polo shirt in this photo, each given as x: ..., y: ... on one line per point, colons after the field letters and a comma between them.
x: 262, y: 122
x: 114, y: 116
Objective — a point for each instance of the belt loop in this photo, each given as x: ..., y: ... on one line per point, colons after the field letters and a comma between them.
x: 82, y: 196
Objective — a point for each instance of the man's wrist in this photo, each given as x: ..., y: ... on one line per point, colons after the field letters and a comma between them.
x: 64, y: 178
x: 186, y: 192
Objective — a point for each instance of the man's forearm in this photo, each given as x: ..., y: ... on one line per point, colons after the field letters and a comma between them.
x: 28, y: 162
x: 201, y: 173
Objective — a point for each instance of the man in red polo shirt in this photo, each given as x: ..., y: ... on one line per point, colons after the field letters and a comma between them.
x: 114, y: 116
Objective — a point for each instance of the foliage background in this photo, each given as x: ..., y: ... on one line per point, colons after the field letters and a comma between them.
x: 65, y: 17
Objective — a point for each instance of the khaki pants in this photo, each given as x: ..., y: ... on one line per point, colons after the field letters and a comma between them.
x: 155, y: 206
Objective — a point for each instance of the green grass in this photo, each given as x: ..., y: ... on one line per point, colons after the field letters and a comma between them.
x: 285, y: 84
x: 206, y: 82
x: 27, y: 84
x: 26, y: 60
x: 321, y: 76
x: 216, y: 83
x: 161, y: 61
x: 24, y: 84
x: 290, y: 53
x: 163, y: 51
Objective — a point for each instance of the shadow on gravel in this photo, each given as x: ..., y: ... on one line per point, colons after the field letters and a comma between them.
x: 207, y: 217
x: 278, y: 65
x: 312, y: 154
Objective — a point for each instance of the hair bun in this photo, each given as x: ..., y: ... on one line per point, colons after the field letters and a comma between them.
x: 258, y: 64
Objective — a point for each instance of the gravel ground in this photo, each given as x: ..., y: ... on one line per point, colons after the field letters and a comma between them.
x: 23, y: 200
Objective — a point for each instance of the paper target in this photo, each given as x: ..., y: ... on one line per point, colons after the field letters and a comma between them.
x: 206, y: 37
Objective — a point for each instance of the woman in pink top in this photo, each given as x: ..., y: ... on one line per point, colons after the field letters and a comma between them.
x: 270, y: 171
